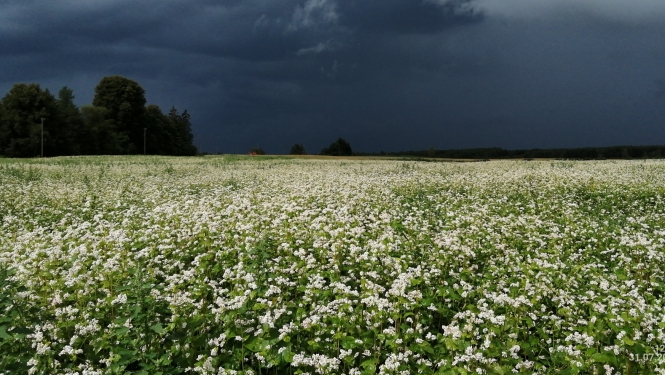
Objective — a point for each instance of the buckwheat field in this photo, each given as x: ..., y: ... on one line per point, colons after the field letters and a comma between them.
x: 238, y: 265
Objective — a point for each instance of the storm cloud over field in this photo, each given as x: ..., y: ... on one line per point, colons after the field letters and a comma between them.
x: 383, y: 74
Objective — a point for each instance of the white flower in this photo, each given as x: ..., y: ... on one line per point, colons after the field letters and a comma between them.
x: 120, y: 299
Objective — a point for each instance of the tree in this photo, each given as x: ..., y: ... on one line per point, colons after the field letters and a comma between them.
x: 163, y: 137
x: 257, y: 151
x: 100, y: 136
x: 338, y: 148
x: 158, y: 140
x: 20, y: 130
x: 298, y: 149
x: 183, y: 128
x: 114, y: 124
x: 125, y: 101
x: 66, y: 98
x: 73, y: 126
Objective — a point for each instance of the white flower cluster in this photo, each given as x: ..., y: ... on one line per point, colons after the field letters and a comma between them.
x: 321, y: 363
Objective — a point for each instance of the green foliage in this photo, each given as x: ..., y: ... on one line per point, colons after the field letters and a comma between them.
x: 257, y: 151
x: 15, y: 318
x: 125, y: 101
x: 338, y: 148
x: 100, y: 135
x: 297, y: 149
x: 161, y: 134
x: 114, y: 124
x: 20, y: 129
x: 26, y: 173
x: 66, y: 98
x: 182, y: 133
x: 73, y: 142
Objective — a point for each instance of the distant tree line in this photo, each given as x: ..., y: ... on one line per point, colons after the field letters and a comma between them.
x: 257, y: 151
x: 117, y: 122
x: 342, y: 148
x: 586, y: 153
x: 338, y: 148
x: 298, y: 149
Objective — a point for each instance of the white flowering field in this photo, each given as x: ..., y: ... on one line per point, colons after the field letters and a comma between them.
x: 238, y: 265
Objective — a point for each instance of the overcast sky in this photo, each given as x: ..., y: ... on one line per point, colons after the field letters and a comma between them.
x: 383, y: 74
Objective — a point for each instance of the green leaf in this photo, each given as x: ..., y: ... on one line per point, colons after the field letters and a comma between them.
x: 369, y: 364
x: 349, y: 343
x: 259, y: 306
x: 254, y: 344
x: 427, y: 347
x: 157, y: 328
x: 608, y: 358
x: 639, y: 348
x: 287, y: 355
x: 501, y: 370
x: 3, y: 333
x: 165, y: 360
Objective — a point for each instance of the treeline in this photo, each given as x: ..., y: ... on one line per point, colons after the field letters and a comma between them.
x: 117, y: 122
x: 340, y: 147
x: 587, y: 153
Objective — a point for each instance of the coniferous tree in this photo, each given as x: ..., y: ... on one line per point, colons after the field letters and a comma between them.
x: 161, y: 132
x: 183, y: 133
x: 73, y: 126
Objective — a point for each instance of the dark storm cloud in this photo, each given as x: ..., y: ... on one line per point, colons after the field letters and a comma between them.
x: 385, y: 74
x: 251, y: 30
x: 400, y: 17
x: 660, y: 88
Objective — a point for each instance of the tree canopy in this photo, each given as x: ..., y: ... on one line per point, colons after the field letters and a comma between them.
x: 20, y: 123
x: 115, y: 123
x: 338, y: 148
x: 298, y: 149
x: 124, y: 101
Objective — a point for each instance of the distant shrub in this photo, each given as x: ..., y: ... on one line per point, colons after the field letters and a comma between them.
x: 338, y: 148
x: 297, y: 149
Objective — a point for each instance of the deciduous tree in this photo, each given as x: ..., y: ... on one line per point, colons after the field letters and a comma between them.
x: 20, y: 130
x: 125, y: 101
x: 297, y: 149
x: 100, y: 136
x: 338, y: 148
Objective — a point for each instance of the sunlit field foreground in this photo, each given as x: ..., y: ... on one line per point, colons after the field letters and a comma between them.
x: 238, y: 265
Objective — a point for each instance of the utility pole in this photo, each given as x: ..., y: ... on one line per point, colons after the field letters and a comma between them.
x: 42, y: 137
x: 144, y: 130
